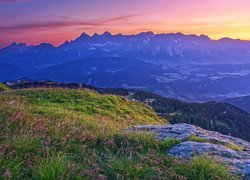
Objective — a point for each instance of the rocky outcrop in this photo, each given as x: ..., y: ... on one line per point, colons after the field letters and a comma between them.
x: 194, y: 140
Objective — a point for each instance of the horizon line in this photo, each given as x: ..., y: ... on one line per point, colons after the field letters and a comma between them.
x: 125, y: 34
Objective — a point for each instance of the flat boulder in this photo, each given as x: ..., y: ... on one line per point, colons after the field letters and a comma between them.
x: 232, y: 151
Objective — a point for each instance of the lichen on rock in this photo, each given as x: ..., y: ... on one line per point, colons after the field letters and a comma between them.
x: 234, y: 152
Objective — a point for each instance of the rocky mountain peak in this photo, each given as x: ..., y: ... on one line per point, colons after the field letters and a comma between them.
x: 44, y: 47
x: 148, y: 34
x: 106, y: 33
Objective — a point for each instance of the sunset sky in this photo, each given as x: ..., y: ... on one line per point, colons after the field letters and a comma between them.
x: 54, y: 21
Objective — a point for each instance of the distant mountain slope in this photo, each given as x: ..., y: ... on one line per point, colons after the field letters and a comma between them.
x: 32, y: 57
x: 221, y: 117
x: 105, y: 72
x: 188, y: 83
x: 13, y: 50
x: 10, y: 72
x: 241, y: 102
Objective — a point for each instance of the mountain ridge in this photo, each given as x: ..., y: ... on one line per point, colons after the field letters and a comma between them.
x: 242, y: 102
x: 86, y: 35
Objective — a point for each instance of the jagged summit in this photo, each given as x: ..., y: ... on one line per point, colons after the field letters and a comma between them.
x: 106, y: 33
x: 205, y: 37
x: 45, y: 46
x: 16, y: 45
x: 84, y: 35
x: 149, y: 33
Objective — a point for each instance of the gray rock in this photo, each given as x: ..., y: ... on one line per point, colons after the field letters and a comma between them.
x: 232, y: 151
x: 189, y: 149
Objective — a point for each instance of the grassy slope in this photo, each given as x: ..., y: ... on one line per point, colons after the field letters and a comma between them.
x: 214, y: 116
x: 48, y: 134
x: 3, y: 87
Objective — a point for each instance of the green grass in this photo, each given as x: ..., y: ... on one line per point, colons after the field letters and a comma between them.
x: 196, y: 139
x: 89, y: 104
x: 3, y: 87
x: 234, y: 147
x: 127, y: 168
x: 73, y: 134
x: 229, y: 145
x: 25, y: 144
x: 202, y: 168
x: 168, y: 144
x: 53, y: 167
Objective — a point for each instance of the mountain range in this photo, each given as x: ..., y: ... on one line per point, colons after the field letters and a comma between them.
x: 187, y: 67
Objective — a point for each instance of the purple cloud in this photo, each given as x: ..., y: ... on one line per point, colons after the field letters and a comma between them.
x: 64, y: 23
x: 13, y: 1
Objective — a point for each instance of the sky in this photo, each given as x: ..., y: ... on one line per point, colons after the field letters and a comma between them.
x: 55, y: 21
